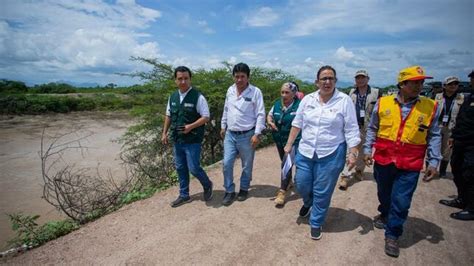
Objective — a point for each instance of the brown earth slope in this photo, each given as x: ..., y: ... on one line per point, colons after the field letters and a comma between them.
x: 255, y: 232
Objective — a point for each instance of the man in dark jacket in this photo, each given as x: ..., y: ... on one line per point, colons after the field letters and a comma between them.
x: 462, y: 160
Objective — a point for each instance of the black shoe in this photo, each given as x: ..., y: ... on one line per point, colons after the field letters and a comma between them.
x: 243, y: 195
x: 228, y: 198
x: 180, y: 201
x: 391, y: 247
x: 456, y: 203
x: 316, y: 233
x: 379, y: 221
x: 463, y: 215
x: 207, y: 195
x: 304, y: 211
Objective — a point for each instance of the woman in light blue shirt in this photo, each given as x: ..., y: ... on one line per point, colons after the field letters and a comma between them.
x: 328, y: 124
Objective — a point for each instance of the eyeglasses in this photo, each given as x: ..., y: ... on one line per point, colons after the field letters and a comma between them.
x: 327, y: 79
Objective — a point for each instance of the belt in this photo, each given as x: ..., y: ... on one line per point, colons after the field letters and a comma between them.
x: 241, y: 132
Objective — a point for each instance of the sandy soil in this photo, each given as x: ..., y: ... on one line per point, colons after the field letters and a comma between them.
x: 255, y: 232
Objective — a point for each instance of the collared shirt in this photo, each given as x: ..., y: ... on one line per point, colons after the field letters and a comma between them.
x: 325, y: 126
x: 434, y: 133
x: 245, y: 111
x: 202, y: 108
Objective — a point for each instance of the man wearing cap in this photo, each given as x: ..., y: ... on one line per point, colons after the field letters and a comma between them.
x: 403, y: 128
x: 462, y: 160
x: 364, y: 98
x: 449, y: 102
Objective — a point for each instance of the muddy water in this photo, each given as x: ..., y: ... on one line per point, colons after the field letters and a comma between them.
x: 20, y: 165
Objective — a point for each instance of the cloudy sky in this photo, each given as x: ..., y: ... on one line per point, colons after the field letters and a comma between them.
x: 88, y: 41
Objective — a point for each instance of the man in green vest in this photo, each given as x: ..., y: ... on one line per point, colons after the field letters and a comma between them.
x: 186, y: 114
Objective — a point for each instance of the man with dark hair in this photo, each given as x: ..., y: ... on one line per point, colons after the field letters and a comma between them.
x: 186, y: 114
x: 403, y: 128
x: 243, y: 120
x: 462, y: 160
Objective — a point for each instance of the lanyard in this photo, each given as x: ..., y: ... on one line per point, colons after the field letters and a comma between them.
x: 361, y: 100
x: 445, y: 109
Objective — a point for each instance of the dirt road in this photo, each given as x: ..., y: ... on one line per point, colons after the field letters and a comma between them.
x: 255, y: 232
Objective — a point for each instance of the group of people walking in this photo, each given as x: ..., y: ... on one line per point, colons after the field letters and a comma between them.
x: 331, y: 135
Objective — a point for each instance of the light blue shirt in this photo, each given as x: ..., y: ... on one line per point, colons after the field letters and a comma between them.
x: 434, y: 133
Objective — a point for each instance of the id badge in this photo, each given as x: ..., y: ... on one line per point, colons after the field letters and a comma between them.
x: 445, y: 118
x: 362, y: 113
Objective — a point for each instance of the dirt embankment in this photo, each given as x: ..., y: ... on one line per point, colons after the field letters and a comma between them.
x: 255, y: 232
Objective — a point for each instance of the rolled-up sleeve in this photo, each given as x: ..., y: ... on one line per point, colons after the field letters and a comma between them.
x: 351, y: 127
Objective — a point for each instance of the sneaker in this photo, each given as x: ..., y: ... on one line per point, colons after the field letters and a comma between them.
x: 316, y: 233
x: 304, y: 211
x: 456, y: 203
x: 243, y: 195
x: 280, y: 198
x: 180, y: 201
x: 391, y: 247
x: 379, y: 221
x: 207, y: 195
x: 463, y: 215
x: 343, y: 184
x: 228, y: 198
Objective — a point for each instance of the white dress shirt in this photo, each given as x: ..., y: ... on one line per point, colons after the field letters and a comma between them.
x: 202, y: 108
x: 245, y: 111
x: 326, y: 125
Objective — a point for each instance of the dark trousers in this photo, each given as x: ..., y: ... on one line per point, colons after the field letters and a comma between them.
x: 284, y: 183
x: 395, y: 188
x: 462, y: 165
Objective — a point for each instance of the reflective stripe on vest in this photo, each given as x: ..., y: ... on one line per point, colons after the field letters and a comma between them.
x: 403, y: 142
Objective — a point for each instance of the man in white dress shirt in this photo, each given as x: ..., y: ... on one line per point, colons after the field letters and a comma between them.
x: 242, y: 123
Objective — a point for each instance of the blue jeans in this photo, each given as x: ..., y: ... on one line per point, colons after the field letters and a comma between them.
x: 186, y: 157
x: 315, y: 181
x: 238, y: 144
x: 395, y: 188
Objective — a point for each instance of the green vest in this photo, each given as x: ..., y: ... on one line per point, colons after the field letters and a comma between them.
x: 185, y: 113
x: 283, y: 122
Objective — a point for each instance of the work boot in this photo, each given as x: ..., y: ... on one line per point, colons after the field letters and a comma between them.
x: 442, y: 168
x: 280, y: 198
x: 243, y: 195
x: 228, y: 198
x: 343, y: 183
x: 391, y: 247
x: 379, y: 221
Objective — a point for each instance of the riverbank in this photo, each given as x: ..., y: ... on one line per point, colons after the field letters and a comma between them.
x: 255, y: 232
x: 20, y: 175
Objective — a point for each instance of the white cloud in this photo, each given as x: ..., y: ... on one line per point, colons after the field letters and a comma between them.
x: 264, y: 17
x: 248, y: 54
x: 342, y: 54
x: 74, y: 35
x: 205, y: 27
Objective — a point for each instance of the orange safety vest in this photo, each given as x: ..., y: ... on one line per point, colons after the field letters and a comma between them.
x: 403, y: 142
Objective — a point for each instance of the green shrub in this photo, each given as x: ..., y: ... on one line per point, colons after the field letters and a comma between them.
x: 29, y: 233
